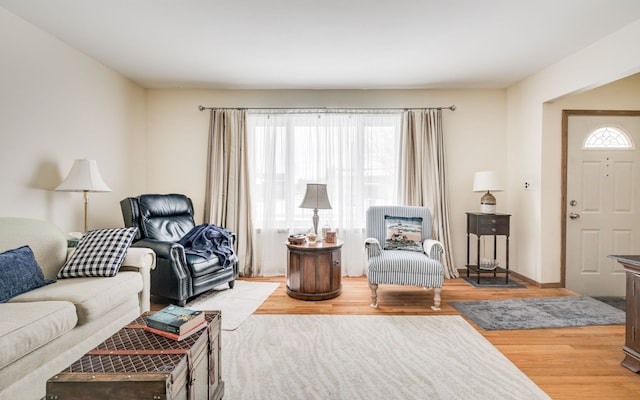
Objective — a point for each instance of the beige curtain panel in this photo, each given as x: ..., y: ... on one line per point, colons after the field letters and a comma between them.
x: 423, y: 174
x: 227, y: 201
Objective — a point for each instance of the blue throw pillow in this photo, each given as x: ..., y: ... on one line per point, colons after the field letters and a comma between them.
x: 403, y: 233
x: 19, y: 273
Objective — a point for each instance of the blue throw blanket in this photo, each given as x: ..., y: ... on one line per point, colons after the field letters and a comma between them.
x: 206, y: 240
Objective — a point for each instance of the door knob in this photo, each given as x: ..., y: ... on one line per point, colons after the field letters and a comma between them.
x: 574, y: 215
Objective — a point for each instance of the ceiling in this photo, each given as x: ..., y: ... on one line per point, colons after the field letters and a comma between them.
x: 327, y: 44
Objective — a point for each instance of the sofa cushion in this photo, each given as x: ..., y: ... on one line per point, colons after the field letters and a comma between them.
x: 47, y: 241
x: 24, y: 327
x: 19, y: 273
x: 92, y: 297
x: 99, y: 253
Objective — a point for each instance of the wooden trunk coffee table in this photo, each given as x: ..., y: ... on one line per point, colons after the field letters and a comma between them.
x: 137, y: 364
x: 314, y: 271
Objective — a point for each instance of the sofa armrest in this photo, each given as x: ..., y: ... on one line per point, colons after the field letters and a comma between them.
x: 143, y: 257
x: 163, y: 249
x: 143, y: 260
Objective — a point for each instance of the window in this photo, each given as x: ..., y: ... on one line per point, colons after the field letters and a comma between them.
x: 608, y: 137
x: 355, y: 154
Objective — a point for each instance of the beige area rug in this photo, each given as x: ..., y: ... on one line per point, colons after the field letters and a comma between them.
x: 367, y: 357
x: 235, y: 304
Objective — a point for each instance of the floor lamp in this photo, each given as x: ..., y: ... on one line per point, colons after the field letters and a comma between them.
x: 84, y: 177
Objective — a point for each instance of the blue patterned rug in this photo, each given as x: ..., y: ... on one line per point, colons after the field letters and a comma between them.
x: 550, y: 312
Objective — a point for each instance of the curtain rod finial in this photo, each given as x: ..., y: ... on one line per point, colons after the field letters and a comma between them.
x: 201, y: 108
x: 453, y: 107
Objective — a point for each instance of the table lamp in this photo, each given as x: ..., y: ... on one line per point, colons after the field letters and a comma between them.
x: 84, y: 177
x: 316, y: 198
x: 487, y: 181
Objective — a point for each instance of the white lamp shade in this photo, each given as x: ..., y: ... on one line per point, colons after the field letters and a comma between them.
x: 485, y: 181
x: 316, y: 197
x: 83, y: 177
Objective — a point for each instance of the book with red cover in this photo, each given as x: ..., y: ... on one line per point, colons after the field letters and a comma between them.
x: 175, y: 319
x: 175, y: 336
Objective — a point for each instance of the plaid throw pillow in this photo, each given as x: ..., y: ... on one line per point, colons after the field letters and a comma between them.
x: 99, y: 253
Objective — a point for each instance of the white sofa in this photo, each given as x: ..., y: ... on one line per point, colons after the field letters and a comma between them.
x: 44, y: 330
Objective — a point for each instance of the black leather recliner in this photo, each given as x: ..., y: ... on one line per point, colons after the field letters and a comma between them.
x: 162, y: 220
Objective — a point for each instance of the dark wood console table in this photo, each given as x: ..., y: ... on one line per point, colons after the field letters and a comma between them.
x: 631, y: 349
x: 314, y: 271
x: 480, y: 224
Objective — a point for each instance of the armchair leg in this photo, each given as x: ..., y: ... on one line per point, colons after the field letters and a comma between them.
x: 374, y: 294
x: 436, y: 298
x: 232, y: 284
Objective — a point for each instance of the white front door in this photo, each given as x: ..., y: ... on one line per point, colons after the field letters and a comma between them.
x: 603, y: 202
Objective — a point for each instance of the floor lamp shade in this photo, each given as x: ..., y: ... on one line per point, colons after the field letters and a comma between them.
x: 487, y: 181
x: 316, y: 198
x: 84, y: 177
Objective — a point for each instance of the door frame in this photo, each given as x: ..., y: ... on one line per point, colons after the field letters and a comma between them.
x: 565, y: 149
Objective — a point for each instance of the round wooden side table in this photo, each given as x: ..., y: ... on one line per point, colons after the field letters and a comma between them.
x: 314, y: 271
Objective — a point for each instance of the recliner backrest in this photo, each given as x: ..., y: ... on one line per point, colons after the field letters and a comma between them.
x: 376, y: 227
x: 166, y: 217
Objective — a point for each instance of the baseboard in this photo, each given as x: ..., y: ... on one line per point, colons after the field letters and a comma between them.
x: 551, y: 285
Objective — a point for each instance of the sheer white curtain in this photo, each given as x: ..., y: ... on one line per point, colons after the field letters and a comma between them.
x: 355, y: 154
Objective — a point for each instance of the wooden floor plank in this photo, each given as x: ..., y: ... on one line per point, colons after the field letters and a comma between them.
x: 567, y: 363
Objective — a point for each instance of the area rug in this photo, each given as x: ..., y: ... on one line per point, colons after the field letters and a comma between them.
x: 366, y: 357
x: 235, y: 304
x: 550, y: 312
x: 618, y: 302
x: 492, y: 282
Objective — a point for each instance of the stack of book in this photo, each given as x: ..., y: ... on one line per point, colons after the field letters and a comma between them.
x: 176, y: 322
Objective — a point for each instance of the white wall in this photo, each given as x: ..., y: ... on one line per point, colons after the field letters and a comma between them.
x: 57, y: 105
x: 475, y: 136
x: 534, y: 149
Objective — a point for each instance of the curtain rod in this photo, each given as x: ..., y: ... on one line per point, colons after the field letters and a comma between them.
x: 325, y: 109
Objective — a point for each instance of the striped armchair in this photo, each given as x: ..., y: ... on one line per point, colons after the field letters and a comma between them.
x: 405, y: 256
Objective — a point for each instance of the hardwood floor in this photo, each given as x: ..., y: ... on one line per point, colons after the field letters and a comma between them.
x: 567, y: 363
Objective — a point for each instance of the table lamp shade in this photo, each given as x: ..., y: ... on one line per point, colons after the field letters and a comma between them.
x: 487, y: 181
x: 316, y: 198
x: 84, y: 177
